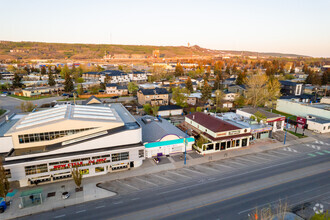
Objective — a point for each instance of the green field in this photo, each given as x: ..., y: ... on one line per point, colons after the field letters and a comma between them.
x: 29, y: 98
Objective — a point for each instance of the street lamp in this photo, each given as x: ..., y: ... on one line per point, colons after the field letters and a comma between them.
x: 286, y: 128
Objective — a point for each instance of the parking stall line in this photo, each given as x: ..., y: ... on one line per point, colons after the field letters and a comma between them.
x: 166, y: 179
x: 208, y: 168
x: 146, y: 181
x: 126, y: 184
x: 60, y: 216
x: 269, y: 155
x: 80, y: 211
x: 99, y: 207
x: 222, y: 165
x: 194, y: 171
x: 279, y: 153
x: 239, y: 164
x: 247, y: 161
x: 178, y: 174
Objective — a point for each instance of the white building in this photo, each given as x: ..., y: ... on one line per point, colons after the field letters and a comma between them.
x: 47, y: 144
x: 318, y: 124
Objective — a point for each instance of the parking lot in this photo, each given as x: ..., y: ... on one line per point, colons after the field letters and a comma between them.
x: 226, y: 165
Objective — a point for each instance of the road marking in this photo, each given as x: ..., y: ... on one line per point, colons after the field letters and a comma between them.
x: 316, y: 147
x: 80, y: 211
x: 240, y: 164
x: 312, y: 155
x: 133, y: 187
x: 164, y: 178
x: 319, y: 153
x: 194, y: 171
x: 276, y: 152
x: 258, y: 158
x: 146, y: 181
x: 224, y: 165
x: 98, y: 207
x: 247, y: 160
x: 116, y: 203
x: 208, y: 168
x: 268, y: 155
x: 326, y: 151
x: 60, y: 216
x: 321, y: 142
x: 135, y: 199
x: 178, y: 174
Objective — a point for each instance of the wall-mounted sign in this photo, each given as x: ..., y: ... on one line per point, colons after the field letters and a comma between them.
x: 79, y: 163
x: 233, y: 132
x: 301, y: 120
x: 221, y: 134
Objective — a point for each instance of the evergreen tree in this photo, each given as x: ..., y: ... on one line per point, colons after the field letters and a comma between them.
x: 206, y: 91
x: 217, y: 82
x: 179, y: 70
x: 326, y: 77
x: 68, y: 84
x: 43, y: 70
x: 64, y: 71
x: 189, y: 85
x: 241, y: 79
x: 292, y: 70
x: 51, y: 81
x: 17, y: 81
x: 228, y: 69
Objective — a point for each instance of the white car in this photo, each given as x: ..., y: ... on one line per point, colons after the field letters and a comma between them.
x: 3, y: 94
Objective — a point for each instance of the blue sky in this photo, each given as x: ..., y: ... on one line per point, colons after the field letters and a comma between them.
x: 291, y: 26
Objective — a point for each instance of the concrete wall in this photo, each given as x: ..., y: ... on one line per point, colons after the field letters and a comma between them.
x: 298, y: 109
x: 320, y: 128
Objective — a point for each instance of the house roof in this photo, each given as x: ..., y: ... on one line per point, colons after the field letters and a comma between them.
x: 86, y: 102
x: 119, y: 87
x: 212, y: 123
x: 262, y: 111
x: 168, y: 107
x: 154, y: 91
x: 287, y: 83
x: 113, y: 73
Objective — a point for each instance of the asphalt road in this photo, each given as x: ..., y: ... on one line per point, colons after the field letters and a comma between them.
x: 222, y: 196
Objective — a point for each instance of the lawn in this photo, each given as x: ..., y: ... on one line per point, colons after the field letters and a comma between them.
x: 29, y: 98
x: 70, y: 99
x: 292, y: 117
x: 296, y: 134
x: 2, y: 111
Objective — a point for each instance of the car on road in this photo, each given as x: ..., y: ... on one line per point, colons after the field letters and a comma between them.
x: 3, y: 94
x: 65, y: 195
x: 156, y: 159
x: 115, y: 97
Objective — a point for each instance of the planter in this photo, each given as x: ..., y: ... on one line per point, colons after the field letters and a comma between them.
x: 79, y: 189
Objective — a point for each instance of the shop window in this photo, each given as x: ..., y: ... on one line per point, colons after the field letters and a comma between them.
x: 217, y: 146
x: 228, y: 144
x: 84, y: 171
x: 99, y: 169
x: 237, y: 143
x: 223, y: 145
x: 120, y: 156
x: 210, y: 147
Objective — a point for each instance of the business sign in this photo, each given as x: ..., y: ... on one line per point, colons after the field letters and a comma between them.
x: 233, y: 132
x: 79, y: 163
x: 301, y: 120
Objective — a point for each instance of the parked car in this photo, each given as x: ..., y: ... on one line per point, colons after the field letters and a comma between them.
x: 64, y: 94
x: 3, y: 94
x: 156, y: 159
x: 65, y: 195
x: 115, y: 97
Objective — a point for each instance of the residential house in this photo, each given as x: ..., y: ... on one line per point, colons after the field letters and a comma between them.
x: 291, y: 88
x: 138, y: 76
x: 114, y: 76
x: 115, y: 89
x: 156, y: 96
x: 240, y: 89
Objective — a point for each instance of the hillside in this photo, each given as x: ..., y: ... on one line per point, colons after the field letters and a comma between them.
x: 39, y: 50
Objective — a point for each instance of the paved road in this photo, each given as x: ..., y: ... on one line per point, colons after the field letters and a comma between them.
x: 231, y: 194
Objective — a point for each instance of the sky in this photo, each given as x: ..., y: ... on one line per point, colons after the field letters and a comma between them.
x: 290, y: 26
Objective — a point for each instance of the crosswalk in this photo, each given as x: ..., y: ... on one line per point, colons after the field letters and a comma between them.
x: 290, y: 149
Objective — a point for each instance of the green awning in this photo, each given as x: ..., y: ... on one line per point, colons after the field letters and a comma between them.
x: 31, y: 192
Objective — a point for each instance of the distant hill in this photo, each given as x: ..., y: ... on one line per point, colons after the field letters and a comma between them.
x: 39, y: 50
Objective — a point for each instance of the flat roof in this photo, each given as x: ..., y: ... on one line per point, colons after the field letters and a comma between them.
x: 320, y: 120
x: 154, y: 129
x: 266, y: 113
x: 212, y: 123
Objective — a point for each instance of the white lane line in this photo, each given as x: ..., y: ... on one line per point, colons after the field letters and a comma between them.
x: 101, y: 206
x: 258, y: 158
x: 146, y: 181
x: 269, y: 155
x: 239, y: 164
x: 164, y: 178
x: 116, y: 203
x: 80, y: 211
x: 178, y: 174
x: 135, y: 199
x: 60, y: 216
x: 133, y: 187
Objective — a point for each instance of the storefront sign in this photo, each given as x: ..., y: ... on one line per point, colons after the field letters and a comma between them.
x: 261, y: 130
x: 233, y: 132
x: 221, y: 134
x: 79, y: 163
x: 301, y: 120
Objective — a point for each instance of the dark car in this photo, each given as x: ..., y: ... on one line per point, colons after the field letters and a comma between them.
x: 115, y: 97
x: 156, y: 159
x: 64, y: 94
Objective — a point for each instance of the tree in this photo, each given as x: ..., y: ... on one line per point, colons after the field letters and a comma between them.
x: 206, y: 91
x: 147, y: 108
x: 11, y: 68
x: 132, y: 88
x: 325, y: 77
x: 217, y: 82
x: 17, y: 81
x: 94, y: 89
x: 68, y: 84
x: 179, y: 70
x: 80, y: 89
x: 256, y: 92
x: 180, y: 96
x: 154, y: 110
x: 77, y: 177
x: 292, y: 70
x: 4, y: 183
x: 241, y: 78
x: 65, y: 70
x: 26, y: 106
x: 51, y: 81
x: 218, y: 97
x: 273, y: 90
x: 239, y: 101
x: 259, y: 116
x: 228, y: 69
x: 189, y: 85
x: 200, y: 141
x: 43, y: 70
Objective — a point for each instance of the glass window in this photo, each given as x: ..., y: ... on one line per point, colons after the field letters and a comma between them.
x: 223, y: 145
x: 210, y: 147
x: 141, y: 153
x: 97, y: 157
x: 217, y: 146
x: 84, y: 171
x: 99, y: 169
x: 104, y: 156
x: 8, y: 173
x: 42, y: 168
x: 244, y: 142
x: 237, y: 143
x: 29, y: 170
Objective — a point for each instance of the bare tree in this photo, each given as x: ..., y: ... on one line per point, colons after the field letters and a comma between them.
x: 4, y: 183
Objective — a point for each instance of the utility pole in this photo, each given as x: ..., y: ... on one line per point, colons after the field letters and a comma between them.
x: 185, y: 148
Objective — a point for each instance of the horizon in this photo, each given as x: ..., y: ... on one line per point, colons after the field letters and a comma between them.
x: 295, y: 27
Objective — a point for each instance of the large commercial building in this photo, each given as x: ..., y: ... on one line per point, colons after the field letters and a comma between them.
x: 97, y: 139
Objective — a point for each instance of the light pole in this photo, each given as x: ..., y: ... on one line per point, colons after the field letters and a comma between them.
x: 185, y: 148
x: 286, y: 128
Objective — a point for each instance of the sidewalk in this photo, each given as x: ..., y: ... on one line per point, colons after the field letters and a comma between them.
x: 92, y: 192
